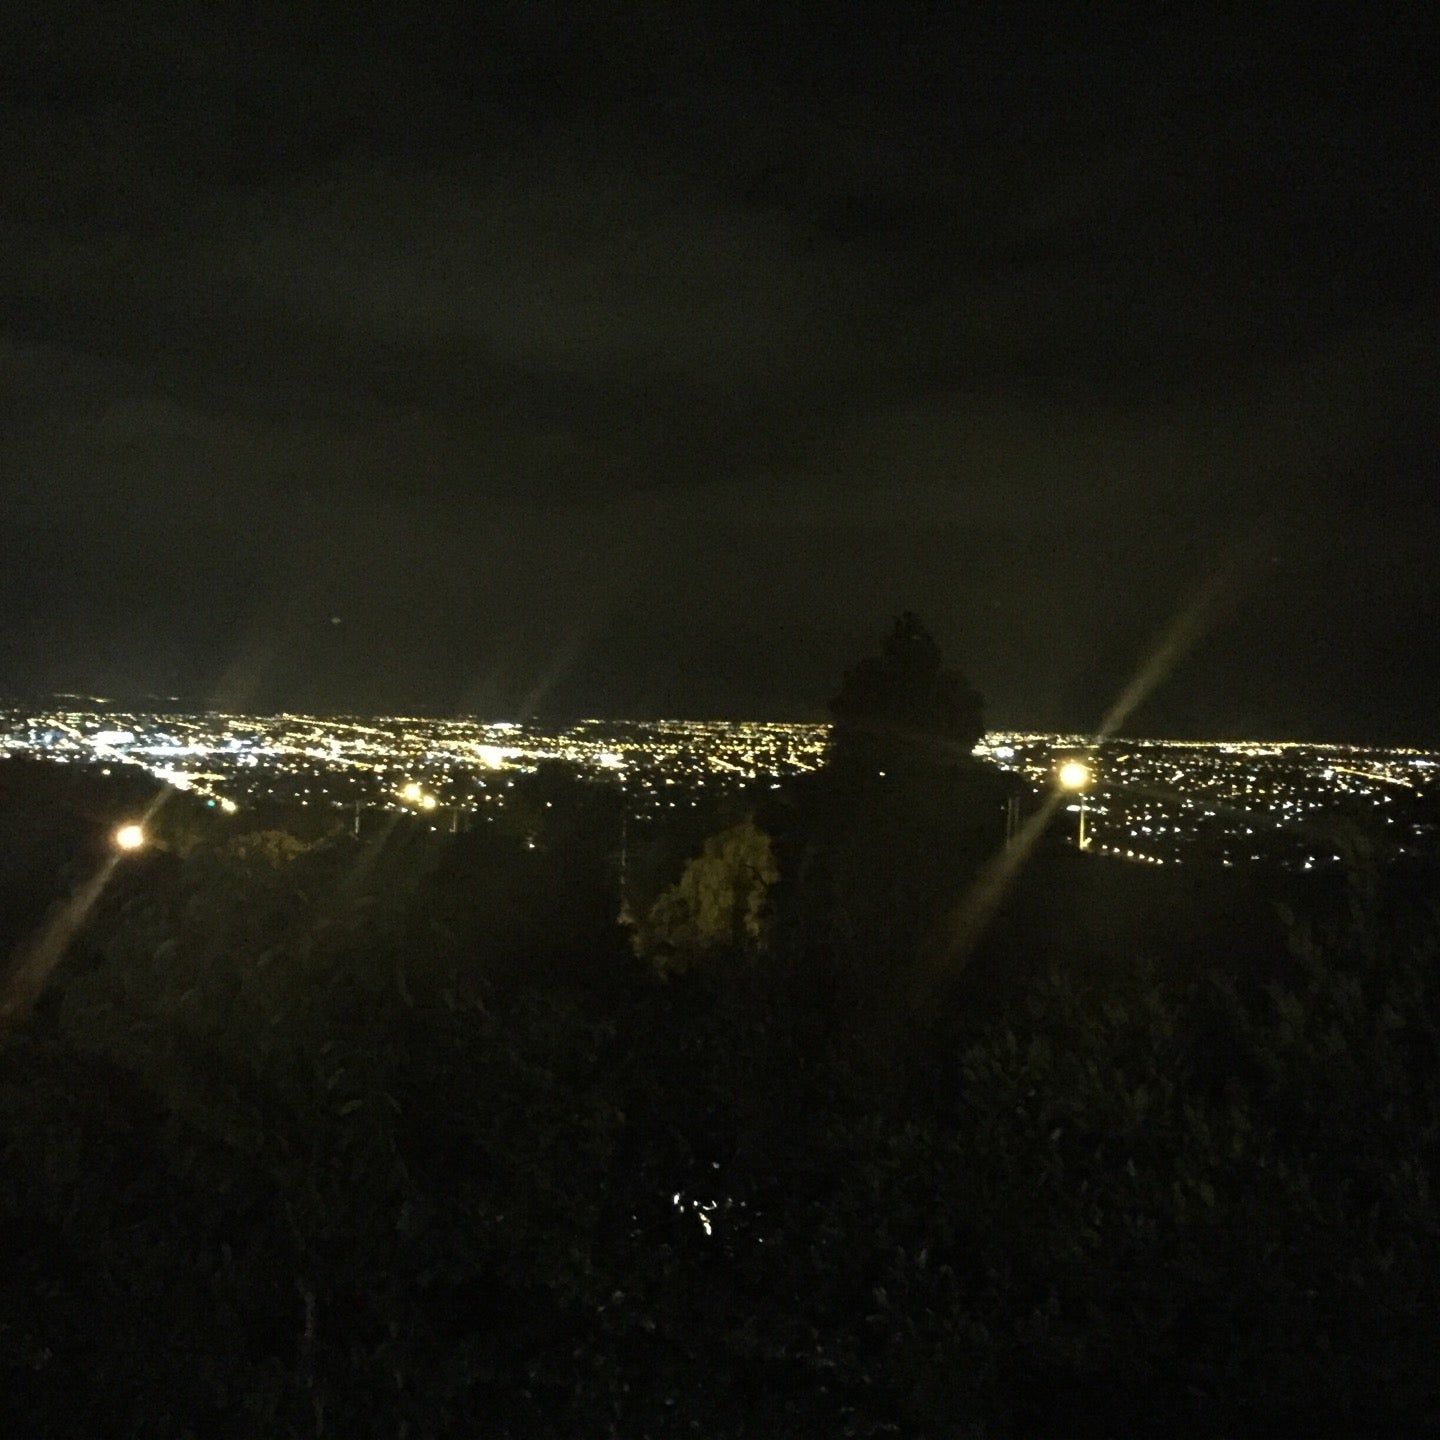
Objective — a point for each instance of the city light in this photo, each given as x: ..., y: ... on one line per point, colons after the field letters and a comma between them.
x: 129, y: 837
x: 1144, y: 801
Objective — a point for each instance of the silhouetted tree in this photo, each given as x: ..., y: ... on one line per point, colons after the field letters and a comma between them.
x: 903, y: 706
x: 887, y: 834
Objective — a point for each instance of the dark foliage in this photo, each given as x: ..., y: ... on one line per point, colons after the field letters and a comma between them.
x: 397, y: 1137
x: 903, y: 707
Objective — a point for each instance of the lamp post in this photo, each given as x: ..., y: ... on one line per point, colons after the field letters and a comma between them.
x: 1076, y: 775
x: 129, y: 837
x: 418, y: 797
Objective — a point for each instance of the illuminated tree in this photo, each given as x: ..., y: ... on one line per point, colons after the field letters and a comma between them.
x: 719, y: 902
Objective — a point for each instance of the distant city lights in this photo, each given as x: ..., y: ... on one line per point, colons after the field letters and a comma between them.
x: 1147, y: 801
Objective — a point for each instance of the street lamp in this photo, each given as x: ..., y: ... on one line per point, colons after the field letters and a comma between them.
x: 1076, y: 775
x: 129, y: 837
x: 414, y: 793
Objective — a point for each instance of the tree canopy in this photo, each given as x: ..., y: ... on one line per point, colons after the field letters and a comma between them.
x: 904, y: 706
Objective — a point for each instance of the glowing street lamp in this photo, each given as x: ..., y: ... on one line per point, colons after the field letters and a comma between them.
x: 412, y: 793
x: 129, y: 837
x: 1076, y: 775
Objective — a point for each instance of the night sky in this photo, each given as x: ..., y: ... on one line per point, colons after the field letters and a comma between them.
x: 647, y: 359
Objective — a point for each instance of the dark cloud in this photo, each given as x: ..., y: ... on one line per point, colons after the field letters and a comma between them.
x: 608, y: 357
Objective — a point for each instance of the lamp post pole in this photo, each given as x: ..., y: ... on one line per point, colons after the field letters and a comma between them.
x: 1076, y: 775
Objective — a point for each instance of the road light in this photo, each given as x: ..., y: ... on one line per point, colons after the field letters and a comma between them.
x: 129, y: 837
x: 412, y: 793
x: 1076, y: 775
